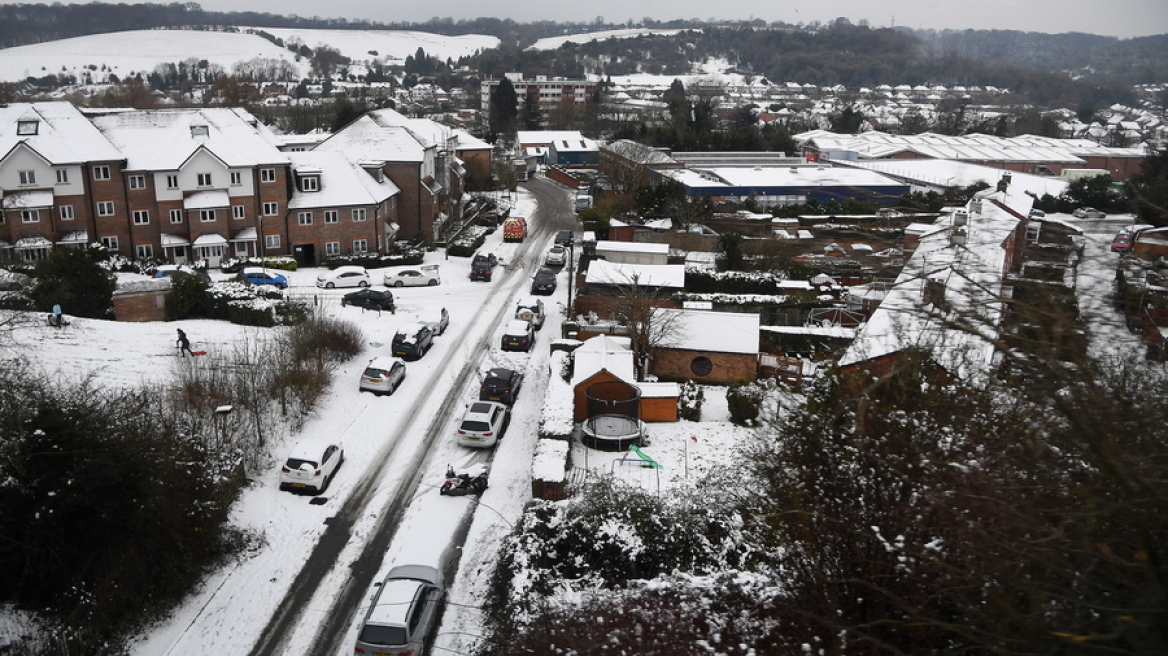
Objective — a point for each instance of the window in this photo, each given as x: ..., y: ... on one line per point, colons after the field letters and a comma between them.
x: 110, y: 242
x: 101, y: 173
x: 238, y: 212
x: 310, y: 183
x: 26, y: 128
x: 204, y: 179
x: 176, y: 216
x: 360, y: 245
x: 65, y: 212
x: 236, y: 178
x: 144, y: 251
x: 141, y: 217
x: 105, y: 208
x: 30, y: 216
x: 172, y: 182
x: 304, y: 218
x: 137, y: 182
x: 206, y: 216
x: 62, y: 176
x: 28, y: 177
x: 267, y: 175
x: 332, y: 248
x: 701, y: 366
x: 359, y: 214
x: 272, y: 242
x: 330, y: 216
x: 271, y: 209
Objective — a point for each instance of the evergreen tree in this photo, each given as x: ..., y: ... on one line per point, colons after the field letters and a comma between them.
x: 504, y: 110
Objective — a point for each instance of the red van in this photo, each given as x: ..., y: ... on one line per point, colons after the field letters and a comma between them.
x: 514, y: 229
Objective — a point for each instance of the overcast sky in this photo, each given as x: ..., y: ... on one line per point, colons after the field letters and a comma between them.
x: 1122, y: 18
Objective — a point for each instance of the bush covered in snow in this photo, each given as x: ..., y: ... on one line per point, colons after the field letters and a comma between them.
x: 690, y: 401
x: 555, y: 418
x: 745, y: 402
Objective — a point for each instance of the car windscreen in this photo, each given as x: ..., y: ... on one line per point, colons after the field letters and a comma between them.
x: 495, y: 384
x: 374, y: 372
x: 383, y: 635
x: 297, y: 463
x: 470, y: 426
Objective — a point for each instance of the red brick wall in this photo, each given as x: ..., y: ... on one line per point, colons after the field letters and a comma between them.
x: 674, y: 364
x: 112, y: 190
x: 345, y: 230
x: 145, y: 306
x: 413, y: 203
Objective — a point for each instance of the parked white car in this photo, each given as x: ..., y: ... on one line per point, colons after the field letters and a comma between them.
x: 424, y: 276
x: 345, y: 276
x: 483, y: 424
x: 556, y: 256
x: 311, y: 466
x: 437, y: 318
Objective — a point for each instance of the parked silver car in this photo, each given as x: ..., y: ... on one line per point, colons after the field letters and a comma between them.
x: 403, y: 611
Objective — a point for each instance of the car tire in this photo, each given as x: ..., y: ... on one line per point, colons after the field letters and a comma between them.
x: 432, y: 283
x: 479, y: 485
x: 329, y: 285
x: 362, y: 284
x: 399, y: 284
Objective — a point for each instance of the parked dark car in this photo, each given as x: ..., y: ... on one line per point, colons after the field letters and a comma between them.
x: 544, y: 282
x: 412, y: 341
x: 564, y: 238
x: 370, y: 299
x: 518, y: 336
x: 501, y: 385
x: 483, y: 266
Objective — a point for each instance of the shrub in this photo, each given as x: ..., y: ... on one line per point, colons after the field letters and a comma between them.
x: 326, y: 339
x: 74, y: 278
x: 691, y: 401
x: 192, y: 296
x: 468, y: 243
x: 237, y: 264
x: 370, y: 260
x: 745, y: 402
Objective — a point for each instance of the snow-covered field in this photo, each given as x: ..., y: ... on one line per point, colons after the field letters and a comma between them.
x: 100, y: 54
x: 553, y: 42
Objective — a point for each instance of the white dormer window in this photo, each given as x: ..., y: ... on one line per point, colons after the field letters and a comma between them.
x: 236, y: 178
x: 310, y: 183
x: 27, y: 128
x: 199, y: 131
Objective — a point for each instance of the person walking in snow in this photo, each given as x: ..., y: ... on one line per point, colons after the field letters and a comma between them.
x: 184, y: 344
x: 58, y: 316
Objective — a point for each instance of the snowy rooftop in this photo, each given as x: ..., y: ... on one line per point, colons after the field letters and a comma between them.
x: 603, y: 353
x: 63, y: 135
x: 716, y: 332
x: 603, y: 272
x: 970, y: 276
x: 342, y: 182
x: 165, y: 139
x: 631, y: 246
x: 367, y: 139
x: 779, y: 176
x: 950, y: 173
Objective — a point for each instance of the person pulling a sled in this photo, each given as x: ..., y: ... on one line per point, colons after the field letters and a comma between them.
x: 184, y: 344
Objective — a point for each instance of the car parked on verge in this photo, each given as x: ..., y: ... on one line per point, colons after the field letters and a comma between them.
x: 168, y: 270
x: 345, y: 276
x: 556, y: 256
x: 531, y: 310
x: 370, y: 299
x: 1088, y: 213
x: 403, y: 610
x: 412, y: 341
x: 519, y: 335
x: 260, y: 276
x: 544, y: 282
x: 423, y: 276
x: 383, y: 375
x: 488, y: 258
x: 501, y: 385
x: 311, y: 466
x: 482, y: 267
x: 564, y: 238
x: 483, y: 424
x: 437, y: 318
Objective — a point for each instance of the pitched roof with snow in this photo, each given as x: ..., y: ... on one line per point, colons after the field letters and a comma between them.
x: 164, y: 139
x: 603, y: 353
x: 968, y: 277
x: 63, y: 135
x: 366, y: 139
x: 343, y: 182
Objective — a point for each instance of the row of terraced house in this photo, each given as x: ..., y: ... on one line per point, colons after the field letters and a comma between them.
x: 203, y: 184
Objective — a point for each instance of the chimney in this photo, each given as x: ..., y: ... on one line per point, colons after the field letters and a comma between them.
x: 934, y: 291
x: 1004, y: 183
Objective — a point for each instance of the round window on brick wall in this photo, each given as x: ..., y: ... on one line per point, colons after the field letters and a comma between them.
x: 701, y: 366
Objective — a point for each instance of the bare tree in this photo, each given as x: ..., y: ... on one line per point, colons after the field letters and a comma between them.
x: 649, y: 324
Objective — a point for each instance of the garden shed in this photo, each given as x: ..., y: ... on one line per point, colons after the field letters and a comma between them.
x: 145, y: 300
